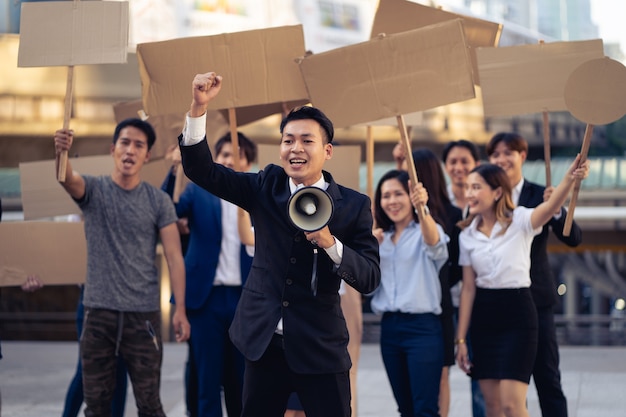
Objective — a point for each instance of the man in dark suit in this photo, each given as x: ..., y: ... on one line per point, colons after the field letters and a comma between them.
x: 217, y: 265
x: 289, y: 324
x: 509, y: 151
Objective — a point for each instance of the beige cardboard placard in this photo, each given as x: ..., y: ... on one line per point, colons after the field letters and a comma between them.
x: 258, y: 68
x: 250, y: 114
x: 55, y: 251
x: 73, y: 33
x: 43, y: 196
x: 530, y: 78
x: 385, y: 77
x: 394, y: 16
x: 344, y: 165
x: 595, y: 92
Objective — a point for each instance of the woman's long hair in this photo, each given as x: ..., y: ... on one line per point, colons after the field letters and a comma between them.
x: 430, y: 174
x: 382, y: 220
x: 495, y: 177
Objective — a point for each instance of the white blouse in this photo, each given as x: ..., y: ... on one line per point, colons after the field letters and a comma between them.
x: 501, y: 260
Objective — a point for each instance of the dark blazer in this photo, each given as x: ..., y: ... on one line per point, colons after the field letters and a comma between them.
x: 279, y: 284
x: 543, y: 285
x: 204, y: 213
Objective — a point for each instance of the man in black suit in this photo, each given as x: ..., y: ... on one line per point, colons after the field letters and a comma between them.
x: 509, y: 151
x: 289, y: 324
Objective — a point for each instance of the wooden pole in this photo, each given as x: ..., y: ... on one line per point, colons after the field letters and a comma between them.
x: 234, y: 138
x: 369, y: 158
x: 572, y: 202
x: 178, y: 184
x: 67, y: 115
x: 546, y: 148
x: 410, y: 165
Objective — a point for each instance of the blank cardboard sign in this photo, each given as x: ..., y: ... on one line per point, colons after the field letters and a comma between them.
x: 258, y: 68
x: 595, y: 92
x: 395, y: 16
x: 54, y: 251
x: 390, y: 76
x: 530, y: 78
x: 43, y: 197
x: 65, y: 33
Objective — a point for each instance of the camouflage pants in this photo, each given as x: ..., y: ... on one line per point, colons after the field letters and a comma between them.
x: 135, y: 336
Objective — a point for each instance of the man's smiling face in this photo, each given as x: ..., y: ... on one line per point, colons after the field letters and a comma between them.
x: 304, y: 150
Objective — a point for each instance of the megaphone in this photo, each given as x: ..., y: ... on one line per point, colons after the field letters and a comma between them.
x: 310, y: 209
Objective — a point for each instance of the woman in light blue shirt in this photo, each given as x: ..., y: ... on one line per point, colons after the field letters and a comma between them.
x: 412, y: 251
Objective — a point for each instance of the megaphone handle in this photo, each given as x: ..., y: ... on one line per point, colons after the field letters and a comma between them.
x: 314, y: 273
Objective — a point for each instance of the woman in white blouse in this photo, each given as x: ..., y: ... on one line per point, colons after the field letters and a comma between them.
x: 495, y: 256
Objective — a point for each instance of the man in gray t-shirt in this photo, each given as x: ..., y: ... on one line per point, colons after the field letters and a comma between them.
x: 124, y: 220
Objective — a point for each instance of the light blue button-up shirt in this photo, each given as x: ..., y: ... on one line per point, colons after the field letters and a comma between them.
x: 410, y: 273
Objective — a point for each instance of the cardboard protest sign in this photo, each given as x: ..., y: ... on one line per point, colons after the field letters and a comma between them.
x: 62, y: 33
x: 530, y: 78
x: 43, y: 196
x: 54, y: 251
x: 392, y: 75
x: 250, y: 114
x: 258, y: 68
x: 394, y: 16
x: 594, y: 93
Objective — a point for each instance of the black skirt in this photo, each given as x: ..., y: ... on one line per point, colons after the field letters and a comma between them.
x: 503, y: 334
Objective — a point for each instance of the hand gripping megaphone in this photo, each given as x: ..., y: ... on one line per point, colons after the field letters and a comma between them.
x: 310, y: 208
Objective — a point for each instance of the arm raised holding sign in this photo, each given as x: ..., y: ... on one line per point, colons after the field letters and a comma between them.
x: 72, y: 182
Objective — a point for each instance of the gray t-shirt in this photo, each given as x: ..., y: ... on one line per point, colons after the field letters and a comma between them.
x: 122, y: 230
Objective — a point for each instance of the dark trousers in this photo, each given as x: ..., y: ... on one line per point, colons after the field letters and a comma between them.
x: 412, y: 349
x: 137, y: 338
x: 216, y: 361
x: 546, y: 374
x: 74, y: 396
x: 268, y: 383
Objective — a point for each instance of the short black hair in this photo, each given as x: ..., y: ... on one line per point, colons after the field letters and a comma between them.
x: 313, y: 113
x: 246, y: 146
x: 144, y: 126
x: 513, y: 141
x: 461, y: 143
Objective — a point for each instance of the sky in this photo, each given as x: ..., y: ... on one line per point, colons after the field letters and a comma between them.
x: 609, y: 15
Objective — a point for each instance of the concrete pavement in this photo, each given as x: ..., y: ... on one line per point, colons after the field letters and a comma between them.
x: 34, y: 377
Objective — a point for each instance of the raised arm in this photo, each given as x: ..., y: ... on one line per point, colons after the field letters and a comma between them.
x: 419, y: 197
x: 205, y: 87
x: 74, y: 183
x: 544, y: 211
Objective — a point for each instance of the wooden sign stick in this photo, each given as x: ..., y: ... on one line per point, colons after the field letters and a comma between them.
x: 369, y: 157
x: 546, y: 141
x: 546, y: 148
x: 410, y: 165
x: 69, y: 92
x: 234, y: 138
x: 178, y: 183
x: 572, y: 202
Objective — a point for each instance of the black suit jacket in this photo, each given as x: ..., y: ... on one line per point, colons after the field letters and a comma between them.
x: 279, y: 284
x: 543, y: 285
